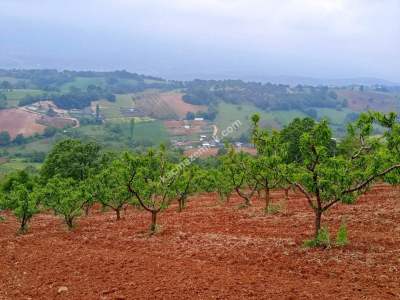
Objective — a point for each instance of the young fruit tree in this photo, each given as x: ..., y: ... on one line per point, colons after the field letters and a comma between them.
x: 109, y: 187
x: 150, y: 181
x: 237, y: 167
x: 392, y: 136
x: 268, y: 166
x: 23, y: 204
x: 65, y: 197
x: 223, y: 184
x: 76, y: 160
x: 330, y: 174
x: 185, y: 185
x: 18, y: 196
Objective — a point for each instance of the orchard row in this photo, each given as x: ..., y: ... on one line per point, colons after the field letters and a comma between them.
x: 303, y: 155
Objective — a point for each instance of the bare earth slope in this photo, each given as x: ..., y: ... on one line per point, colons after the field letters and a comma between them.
x: 209, y: 251
x: 18, y: 121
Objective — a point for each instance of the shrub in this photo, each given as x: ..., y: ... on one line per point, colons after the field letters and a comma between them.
x: 322, y: 239
x: 273, y: 208
x: 341, y: 236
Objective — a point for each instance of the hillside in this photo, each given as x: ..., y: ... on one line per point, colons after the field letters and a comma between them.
x: 123, y: 110
x: 210, y: 250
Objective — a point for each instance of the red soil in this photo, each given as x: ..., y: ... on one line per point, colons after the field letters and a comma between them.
x: 177, y: 127
x: 209, y: 251
x: 18, y: 121
x: 201, y: 152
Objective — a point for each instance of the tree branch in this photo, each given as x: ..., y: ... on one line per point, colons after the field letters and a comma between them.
x: 369, y: 180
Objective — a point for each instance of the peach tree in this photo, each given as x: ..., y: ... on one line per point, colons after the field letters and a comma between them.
x: 109, y: 187
x: 267, y: 167
x: 237, y: 167
x: 331, y: 174
x: 150, y: 181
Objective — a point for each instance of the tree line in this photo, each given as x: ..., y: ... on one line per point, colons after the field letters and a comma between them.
x: 303, y: 156
x: 266, y: 96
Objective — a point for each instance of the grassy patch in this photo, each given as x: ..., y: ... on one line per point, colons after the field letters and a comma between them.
x: 14, y: 96
x: 83, y: 83
x: 111, y: 110
x: 15, y: 165
x: 336, y: 117
x: 229, y: 113
x: 42, y: 145
x: 152, y: 132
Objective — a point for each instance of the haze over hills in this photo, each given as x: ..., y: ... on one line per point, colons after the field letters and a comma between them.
x: 212, y: 39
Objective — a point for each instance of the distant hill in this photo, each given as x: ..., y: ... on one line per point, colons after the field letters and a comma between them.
x: 337, y: 82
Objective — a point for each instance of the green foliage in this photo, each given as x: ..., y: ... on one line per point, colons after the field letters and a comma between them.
x: 268, y: 168
x: 328, y: 173
x: 151, y: 179
x: 5, y: 138
x: 65, y: 197
x: 71, y: 159
x: 237, y: 166
x: 264, y: 96
x: 186, y: 184
x: 321, y: 240
x: 3, y: 101
x: 19, y: 196
x: 273, y: 208
x: 109, y: 186
x: 291, y: 135
x: 341, y: 236
x: 23, y: 204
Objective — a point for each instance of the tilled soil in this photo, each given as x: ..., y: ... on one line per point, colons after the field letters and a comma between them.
x: 209, y: 251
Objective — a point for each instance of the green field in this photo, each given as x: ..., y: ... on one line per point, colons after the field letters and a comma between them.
x: 111, y: 110
x: 83, y: 82
x: 152, y: 132
x: 15, y: 165
x: 42, y: 145
x: 229, y: 113
x: 14, y: 96
x: 335, y: 117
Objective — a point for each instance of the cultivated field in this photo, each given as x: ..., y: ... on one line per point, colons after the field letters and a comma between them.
x: 166, y: 105
x: 370, y: 100
x: 194, y: 127
x: 209, y: 251
x: 18, y: 121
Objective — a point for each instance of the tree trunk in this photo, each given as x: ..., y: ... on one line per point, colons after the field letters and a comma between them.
x: 118, y: 213
x: 181, y: 205
x: 220, y: 196
x: 153, y: 225
x: 287, y: 194
x: 228, y: 197
x: 318, y: 216
x: 24, y: 226
x: 267, y: 198
x: 87, y: 209
x: 70, y: 222
x: 247, y: 201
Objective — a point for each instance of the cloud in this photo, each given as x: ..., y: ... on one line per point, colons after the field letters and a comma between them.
x: 330, y: 38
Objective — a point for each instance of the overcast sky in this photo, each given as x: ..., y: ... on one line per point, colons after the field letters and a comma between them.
x: 247, y: 39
